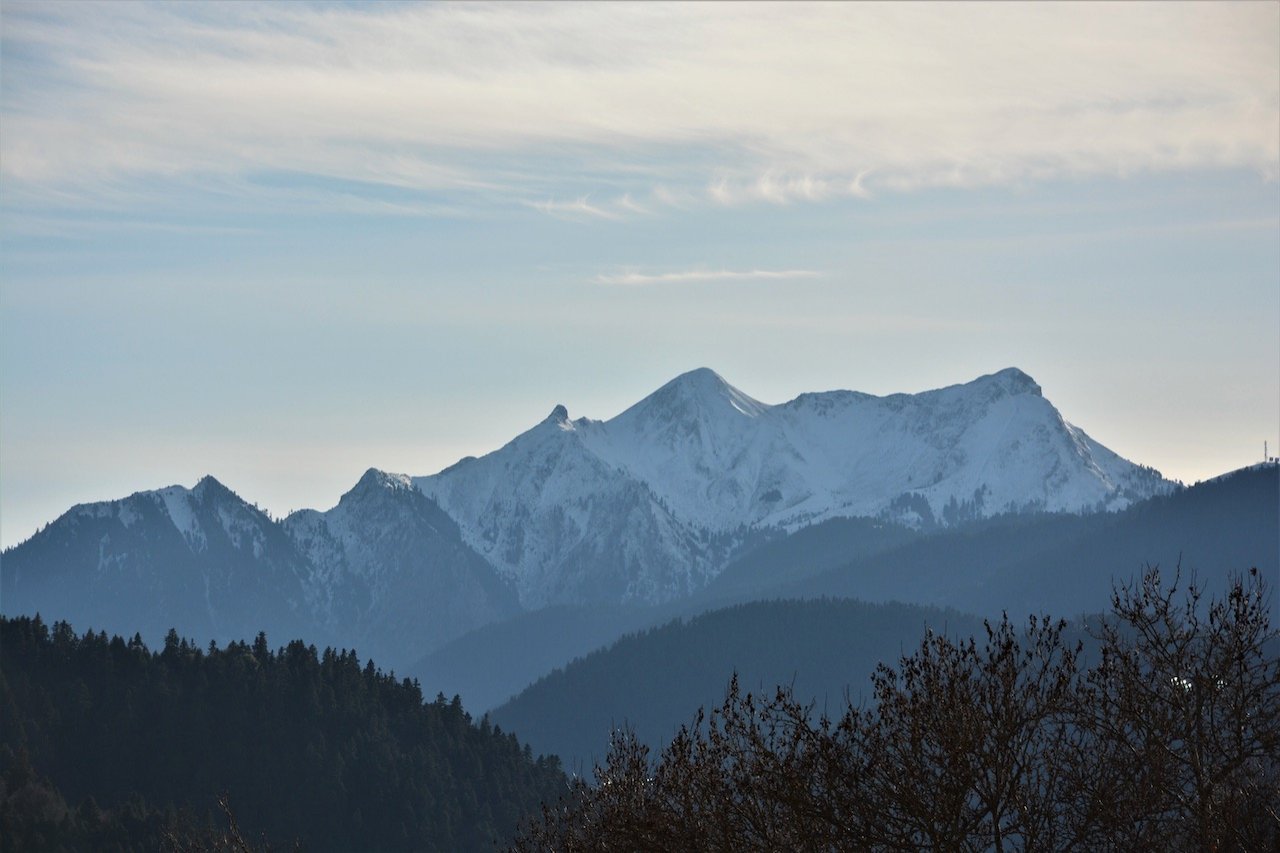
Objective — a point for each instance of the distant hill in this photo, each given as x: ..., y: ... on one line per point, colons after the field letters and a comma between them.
x: 493, y: 663
x: 1065, y: 564
x: 655, y: 680
x: 807, y: 552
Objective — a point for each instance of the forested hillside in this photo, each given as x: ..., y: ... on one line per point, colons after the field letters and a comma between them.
x: 653, y: 680
x: 310, y: 746
x: 1066, y: 564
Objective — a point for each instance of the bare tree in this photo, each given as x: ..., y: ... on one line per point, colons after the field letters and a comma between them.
x: 1171, y: 743
x: 1184, y: 712
x: 963, y: 740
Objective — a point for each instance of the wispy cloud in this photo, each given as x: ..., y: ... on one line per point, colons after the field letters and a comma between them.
x: 671, y: 104
x: 579, y: 208
x: 633, y: 278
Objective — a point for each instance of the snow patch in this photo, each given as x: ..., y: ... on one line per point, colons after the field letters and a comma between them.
x: 177, y: 504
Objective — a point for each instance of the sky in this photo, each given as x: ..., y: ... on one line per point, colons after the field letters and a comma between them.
x: 284, y: 243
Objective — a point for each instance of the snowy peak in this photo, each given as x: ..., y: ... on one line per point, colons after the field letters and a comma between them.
x: 681, y: 476
x: 558, y: 419
x: 1011, y: 380
x: 177, y: 502
x: 189, y: 511
x: 374, y: 483
x: 208, y: 488
x: 698, y: 393
x: 198, y: 559
x: 210, y: 511
x: 699, y: 382
x: 390, y: 562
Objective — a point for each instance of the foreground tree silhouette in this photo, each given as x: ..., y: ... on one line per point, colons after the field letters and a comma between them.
x: 1170, y: 743
x: 957, y: 748
x: 1184, y: 718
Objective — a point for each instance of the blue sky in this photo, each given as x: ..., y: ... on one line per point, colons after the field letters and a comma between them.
x: 281, y: 244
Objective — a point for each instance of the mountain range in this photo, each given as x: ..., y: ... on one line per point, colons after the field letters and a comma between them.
x: 651, y: 504
x: 645, y: 508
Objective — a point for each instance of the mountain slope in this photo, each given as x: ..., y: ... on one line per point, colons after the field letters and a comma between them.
x: 646, y: 508
x: 390, y: 573
x: 1066, y: 564
x: 199, y: 558
x: 385, y: 571
x: 566, y: 525
x: 1060, y: 564
x: 651, y: 505
x: 493, y: 663
x: 654, y: 680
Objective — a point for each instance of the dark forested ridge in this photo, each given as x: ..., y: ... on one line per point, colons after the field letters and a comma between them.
x: 1064, y: 563
x: 491, y: 664
x: 653, y: 680
x: 309, y: 746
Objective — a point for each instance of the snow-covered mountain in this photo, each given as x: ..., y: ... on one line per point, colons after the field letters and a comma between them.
x: 385, y: 571
x: 388, y: 571
x: 569, y: 525
x: 651, y: 503
x: 200, y: 559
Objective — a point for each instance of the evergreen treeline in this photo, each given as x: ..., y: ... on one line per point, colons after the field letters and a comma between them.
x: 1170, y: 742
x: 106, y: 745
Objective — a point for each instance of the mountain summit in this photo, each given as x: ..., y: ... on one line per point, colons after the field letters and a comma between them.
x: 701, y: 392
x: 200, y: 558
x: 650, y: 504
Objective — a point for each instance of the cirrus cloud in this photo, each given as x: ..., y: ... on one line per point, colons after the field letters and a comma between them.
x: 634, y: 278
x: 639, y: 104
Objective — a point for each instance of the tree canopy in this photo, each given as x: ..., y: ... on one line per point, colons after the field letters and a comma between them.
x: 308, y: 746
x: 1170, y: 742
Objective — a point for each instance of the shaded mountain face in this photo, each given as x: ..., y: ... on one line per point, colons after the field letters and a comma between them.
x: 1062, y: 564
x: 199, y: 559
x: 653, y: 681
x: 385, y: 571
x: 567, y: 525
x: 651, y: 504
x: 389, y: 571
